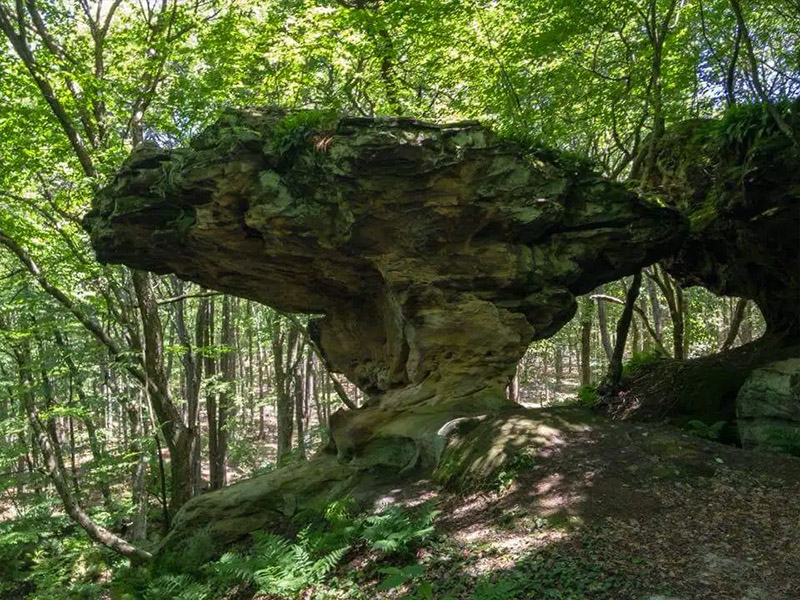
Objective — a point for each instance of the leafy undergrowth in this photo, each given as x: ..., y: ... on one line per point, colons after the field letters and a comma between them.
x: 605, y: 510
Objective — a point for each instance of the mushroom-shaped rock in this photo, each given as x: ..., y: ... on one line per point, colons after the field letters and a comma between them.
x: 435, y: 253
x: 738, y: 181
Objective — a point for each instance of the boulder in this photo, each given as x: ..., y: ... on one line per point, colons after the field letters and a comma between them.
x: 434, y: 254
x: 768, y: 408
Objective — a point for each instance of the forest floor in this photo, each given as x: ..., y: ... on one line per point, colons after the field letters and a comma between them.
x: 610, y: 509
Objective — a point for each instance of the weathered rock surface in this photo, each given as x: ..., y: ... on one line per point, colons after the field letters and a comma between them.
x: 436, y: 253
x: 738, y: 181
x: 768, y: 408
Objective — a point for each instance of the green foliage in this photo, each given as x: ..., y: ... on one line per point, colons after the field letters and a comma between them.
x: 521, y: 461
x: 291, y: 135
x: 396, y: 530
x: 176, y: 587
x: 43, y: 557
x: 641, y: 360
x: 408, y: 576
x: 705, y: 431
x: 587, y: 395
x: 191, y: 557
x: 397, y: 576
x: 282, y: 567
x: 276, y: 566
x: 548, y: 575
x: 743, y: 125
x: 498, y: 589
x: 566, y: 76
x: 536, y: 149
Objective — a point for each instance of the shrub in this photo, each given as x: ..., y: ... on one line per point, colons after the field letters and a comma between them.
x: 587, y: 395
x: 640, y: 360
x: 397, y: 530
x: 705, y: 431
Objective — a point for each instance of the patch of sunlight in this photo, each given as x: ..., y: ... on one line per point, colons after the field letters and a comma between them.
x: 553, y: 494
x: 501, y: 550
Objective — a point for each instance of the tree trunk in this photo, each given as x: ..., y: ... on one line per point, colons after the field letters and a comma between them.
x: 219, y: 473
x: 586, y: 341
x: 192, y: 374
x: 513, y: 387
x: 138, y: 529
x: 284, y: 348
x: 747, y: 324
x: 655, y: 306
x: 602, y: 322
x: 623, y: 325
x: 177, y: 436
x: 212, y: 394
x: 558, y: 359
x: 679, y: 324
x: 299, y: 400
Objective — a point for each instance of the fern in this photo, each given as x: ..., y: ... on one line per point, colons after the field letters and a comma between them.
x: 396, y: 530
x: 177, y: 587
x: 276, y: 566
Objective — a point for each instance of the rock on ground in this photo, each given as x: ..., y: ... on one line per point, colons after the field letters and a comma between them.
x: 768, y: 408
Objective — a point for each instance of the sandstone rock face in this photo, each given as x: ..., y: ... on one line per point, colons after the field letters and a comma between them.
x: 768, y: 408
x: 435, y: 253
x: 738, y: 181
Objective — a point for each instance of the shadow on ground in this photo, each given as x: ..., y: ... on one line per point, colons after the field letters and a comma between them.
x: 584, y: 507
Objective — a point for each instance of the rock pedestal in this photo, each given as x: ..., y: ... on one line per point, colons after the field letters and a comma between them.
x: 434, y: 253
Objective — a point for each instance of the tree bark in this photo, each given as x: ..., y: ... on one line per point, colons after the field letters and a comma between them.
x: 177, y: 436
x: 513, y: 387
x: 138, y: 529
x: 623, y: 326
x: 586, y: 341
x: 219, y: 475
x: 602, y: 323
x: 299, y: 401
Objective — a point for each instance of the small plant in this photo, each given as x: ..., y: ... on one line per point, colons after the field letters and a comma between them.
x: 640, y: 360
x: 295, y: 131
x: 587, y: 395
x: 284, y: 568
x: 176, y: 587
x: 501, y: 589
x: 549, y: 574
x: 709, y: 432
x: 409, y: 575
x: 396, y: 530
x: 276, y: 566
x: 520, y: 461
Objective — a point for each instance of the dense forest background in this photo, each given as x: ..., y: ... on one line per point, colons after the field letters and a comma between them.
x: 123, y: 394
